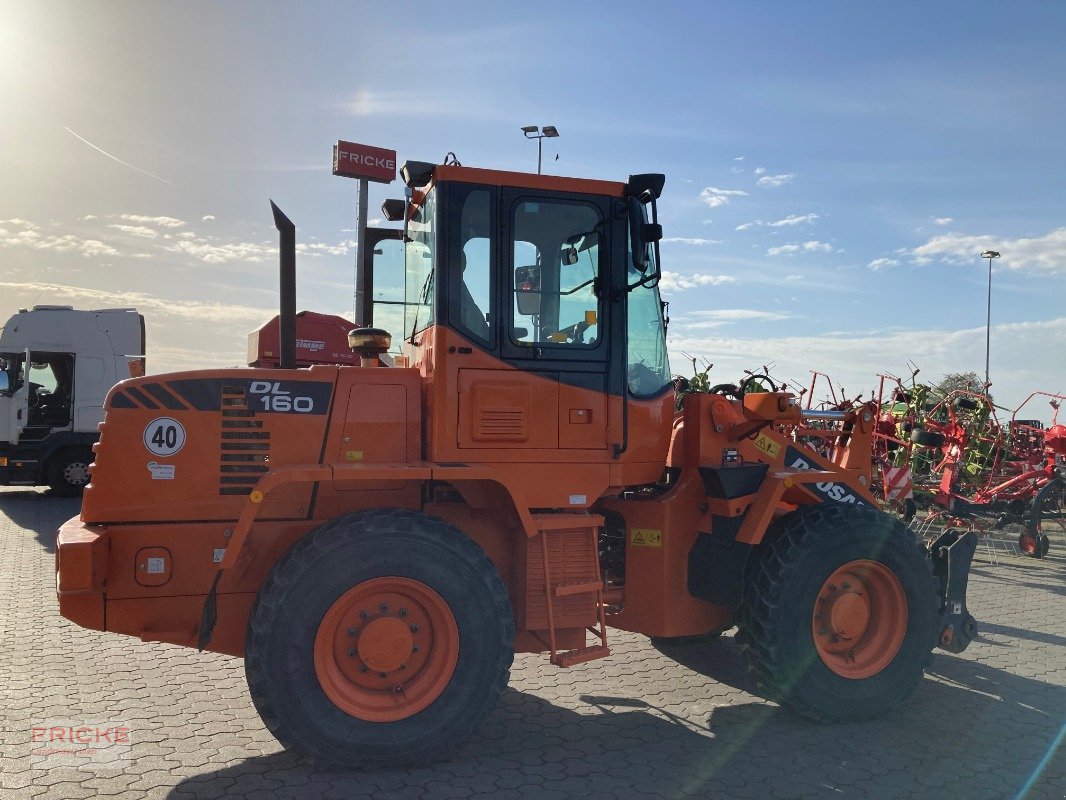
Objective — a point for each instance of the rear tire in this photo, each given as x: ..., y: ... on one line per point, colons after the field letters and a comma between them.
x: 884, y: 608
x: 68, y: 472
x: 365, y: 591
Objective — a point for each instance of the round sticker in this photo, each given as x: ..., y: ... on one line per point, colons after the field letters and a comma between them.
x: 164, y: 436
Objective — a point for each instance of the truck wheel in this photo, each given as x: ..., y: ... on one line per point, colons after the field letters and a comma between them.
x: 384, y: 637
x: 839, y: 618
x: 68, y: 472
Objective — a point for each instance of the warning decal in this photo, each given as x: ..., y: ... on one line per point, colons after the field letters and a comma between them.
x: 646, y: 537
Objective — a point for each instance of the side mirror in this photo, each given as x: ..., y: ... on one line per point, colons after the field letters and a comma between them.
x: 5, y: 383
x: 527, y: 290
x: 638, y: 223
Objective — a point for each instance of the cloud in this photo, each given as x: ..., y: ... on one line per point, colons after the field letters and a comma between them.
x: 697, y: 242
x: 793, y: 219
x: 760, y: 170
x: 883, y: 263
x: 709, y: 320
x: 136, y: 230
x: 207, y: 218
x: 739, y: 158
x: 812, y: 246
x: 30, y: 237
x: 162, y: 222
x: 715, y: 197
x: 942, y: 221
x: 1045, y: 253
x: 747, y: 225
x: 212, y: 253
x: 150, y: 305
x: 93, y: 247
x: 774, y: 181
x: 675, y: 282
x: 793, y: 277
x: 320, y: 248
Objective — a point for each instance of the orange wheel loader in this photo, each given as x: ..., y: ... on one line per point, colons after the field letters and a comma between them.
x: 377, y: 542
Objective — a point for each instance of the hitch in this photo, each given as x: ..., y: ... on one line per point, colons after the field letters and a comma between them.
x: 951, y: 555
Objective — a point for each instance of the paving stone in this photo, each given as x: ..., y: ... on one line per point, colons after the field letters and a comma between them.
x: 643, y: 723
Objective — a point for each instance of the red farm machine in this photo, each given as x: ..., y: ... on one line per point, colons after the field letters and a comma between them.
x: 991, y: 475
x: 378, y: 542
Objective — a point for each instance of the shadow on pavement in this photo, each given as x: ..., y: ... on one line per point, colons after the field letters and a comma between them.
x: 39, y: 511
x: 969, y: 730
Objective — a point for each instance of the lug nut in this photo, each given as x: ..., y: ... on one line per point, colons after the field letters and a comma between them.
x: 403, y: 667
x: 403, y: 612
x: 363, y: 615
x: 351, y: 631
x: 398, y: 689
x: 382, y: 675
x: 414, y: 648
x: 383, y: 607
x: 363, y: 668
x: 351, y: 653
x: 415, y: 629
x: 847, y: 586
x: 822, y: 631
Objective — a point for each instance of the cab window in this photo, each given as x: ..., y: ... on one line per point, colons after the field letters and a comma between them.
x: 420, y: 265
x: 556, y: 253
x: 475, y: 265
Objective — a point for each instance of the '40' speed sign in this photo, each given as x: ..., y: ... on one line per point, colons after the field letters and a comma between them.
x: 164, y: 436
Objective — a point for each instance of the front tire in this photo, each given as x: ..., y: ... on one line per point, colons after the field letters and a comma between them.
x: 840, y: 615
x: 384, y: 637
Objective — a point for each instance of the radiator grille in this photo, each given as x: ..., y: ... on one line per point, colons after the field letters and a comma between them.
x: 244, y: 449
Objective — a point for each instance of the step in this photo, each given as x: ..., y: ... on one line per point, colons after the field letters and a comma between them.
x: 581, y: 655
x: 577, y: 587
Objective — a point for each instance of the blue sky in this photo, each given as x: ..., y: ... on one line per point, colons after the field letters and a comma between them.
x: 833, y: 169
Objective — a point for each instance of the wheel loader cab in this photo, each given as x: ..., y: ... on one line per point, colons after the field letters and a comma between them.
x: 543, y: 345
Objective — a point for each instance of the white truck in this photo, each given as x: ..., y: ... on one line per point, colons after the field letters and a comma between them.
x: 56, y: 366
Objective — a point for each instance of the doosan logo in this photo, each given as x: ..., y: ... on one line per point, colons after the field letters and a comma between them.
x: 829, y: 489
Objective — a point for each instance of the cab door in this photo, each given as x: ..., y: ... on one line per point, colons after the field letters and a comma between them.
x: 555, y: 309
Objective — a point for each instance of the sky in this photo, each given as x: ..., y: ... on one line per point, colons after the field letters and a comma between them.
x: 834, y: 169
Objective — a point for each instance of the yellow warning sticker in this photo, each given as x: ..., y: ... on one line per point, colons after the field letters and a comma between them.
x: 646, y: 537
x: 768, y: 445
x: 353, y: 455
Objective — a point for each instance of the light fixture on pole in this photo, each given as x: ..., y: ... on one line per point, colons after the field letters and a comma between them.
x: 989, y: 254
x: 540, y: 133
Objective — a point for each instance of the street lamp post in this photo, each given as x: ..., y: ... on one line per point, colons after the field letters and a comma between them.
x: 540, y: 134
x: 989, y: 254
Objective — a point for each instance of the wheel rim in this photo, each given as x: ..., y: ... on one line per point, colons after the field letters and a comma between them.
x: 76, y: 473
x: 1027, y: 543
x: 386, y: 649
x: 859, y: 619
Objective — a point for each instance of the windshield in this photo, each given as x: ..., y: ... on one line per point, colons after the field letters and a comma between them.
x: 420, y: 263
x: 648, y: 366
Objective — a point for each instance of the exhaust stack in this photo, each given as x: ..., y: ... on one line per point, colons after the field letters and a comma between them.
x: 287, y: 311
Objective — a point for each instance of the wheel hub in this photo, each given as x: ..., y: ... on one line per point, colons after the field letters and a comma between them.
x: 860, y: 619
x: 76, y: 473
x: 385, y: 644
x: 386, y: 649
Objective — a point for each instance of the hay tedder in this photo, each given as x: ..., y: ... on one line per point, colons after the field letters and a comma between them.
x: 995, y: 474
x: 377, y: 542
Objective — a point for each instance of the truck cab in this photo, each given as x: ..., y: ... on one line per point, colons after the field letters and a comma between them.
x: 56, y: 366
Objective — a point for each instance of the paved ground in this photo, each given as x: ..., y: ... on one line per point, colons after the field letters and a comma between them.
x: 987, y: 724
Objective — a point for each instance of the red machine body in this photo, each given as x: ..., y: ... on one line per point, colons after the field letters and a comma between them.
x: 320, y: 339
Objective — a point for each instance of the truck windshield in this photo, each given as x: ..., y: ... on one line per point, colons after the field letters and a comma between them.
x: 648, y: 365
x: 420, y: 265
